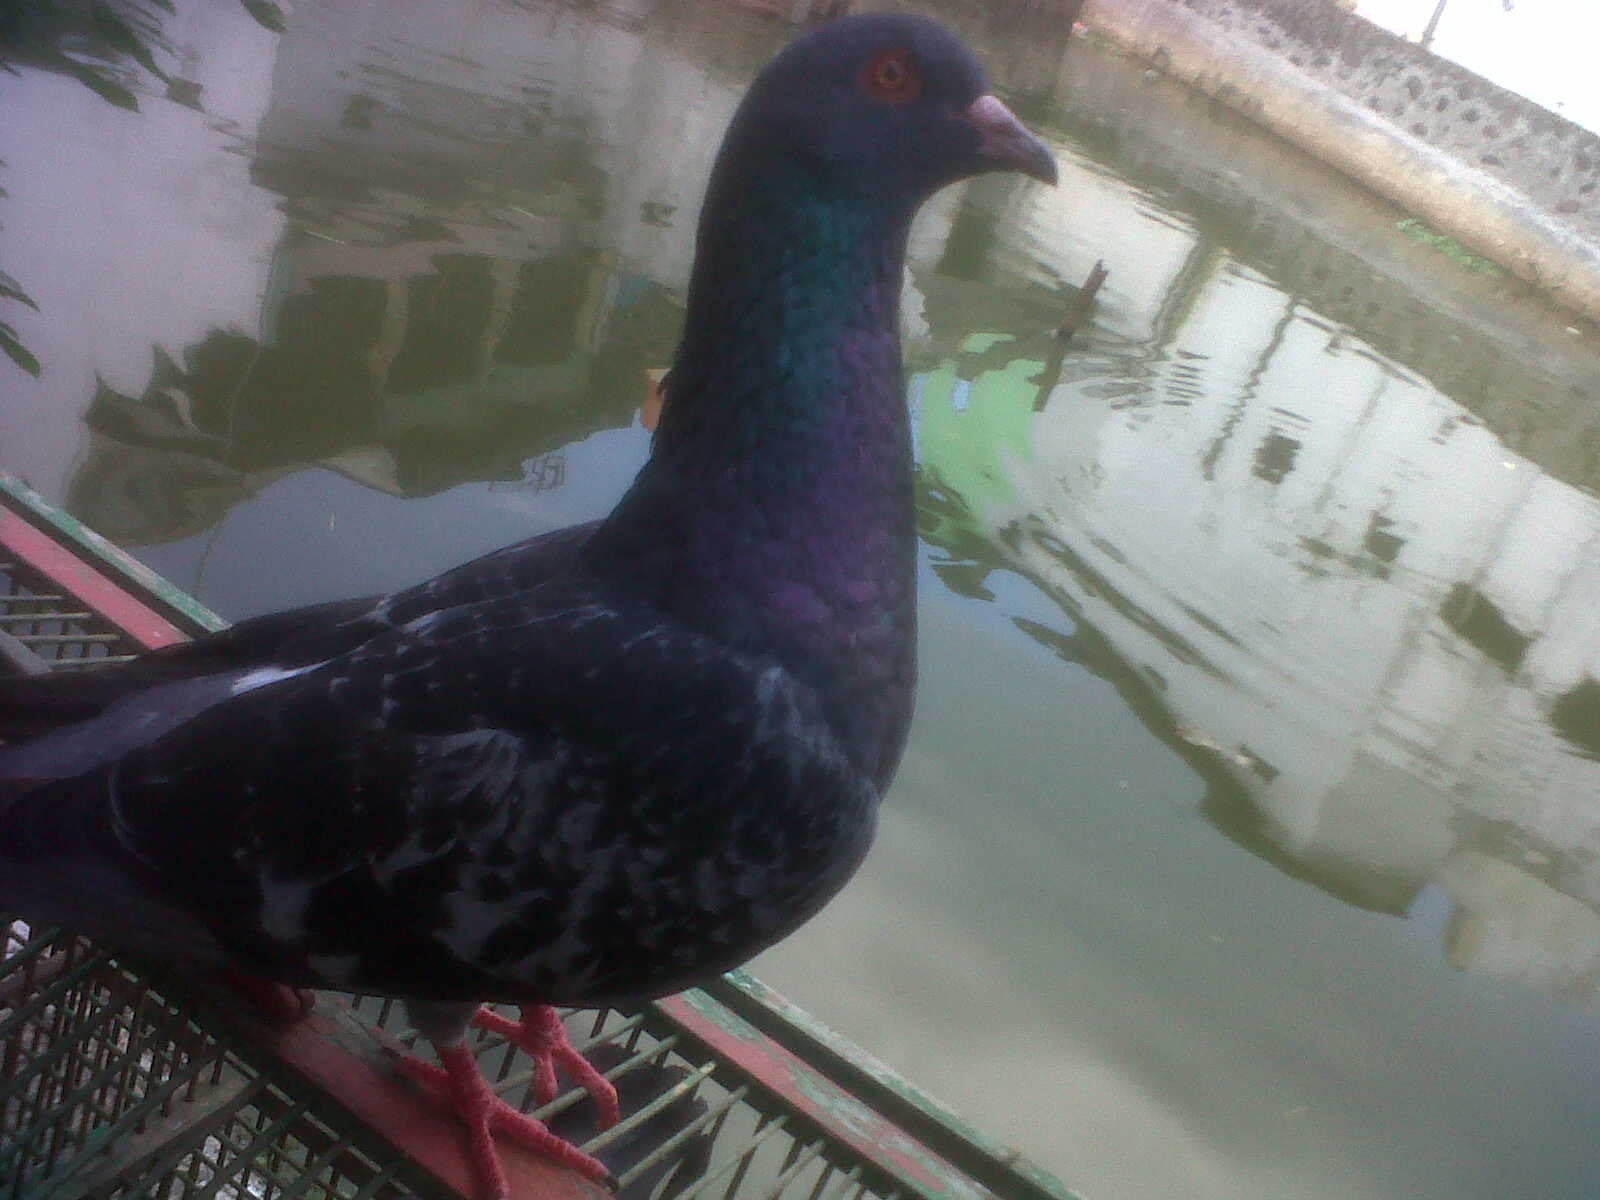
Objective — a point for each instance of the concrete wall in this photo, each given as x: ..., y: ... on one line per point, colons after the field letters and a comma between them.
x: 1541, y: 154
x: 1512, y: 181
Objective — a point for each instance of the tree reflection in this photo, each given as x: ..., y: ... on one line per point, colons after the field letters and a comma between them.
x: 105, y: 46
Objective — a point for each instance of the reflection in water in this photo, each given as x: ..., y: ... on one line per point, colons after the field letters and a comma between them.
x: 445, y: 304
x: 465, y: 369
x: 1318, y: 509
x: 104, y: 47
x: 1370, y: 619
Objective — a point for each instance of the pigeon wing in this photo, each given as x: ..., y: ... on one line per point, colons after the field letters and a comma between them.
x: 539, y: 796
x: 291, y: 638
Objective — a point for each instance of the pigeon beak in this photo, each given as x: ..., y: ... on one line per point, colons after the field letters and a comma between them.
x: 1005, y: 143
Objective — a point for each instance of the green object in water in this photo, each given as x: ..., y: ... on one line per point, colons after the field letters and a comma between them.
x: 974, y: 432
x: 1419, y: 231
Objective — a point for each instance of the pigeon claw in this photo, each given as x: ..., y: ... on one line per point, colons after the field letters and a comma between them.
x: 459, y: 1083
x: 278, y: 1003
x: 542, y: 1036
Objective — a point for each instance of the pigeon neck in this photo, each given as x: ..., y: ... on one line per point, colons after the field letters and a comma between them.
x: 786, y: 395
x: 793, y: 313
x: 776, y: 511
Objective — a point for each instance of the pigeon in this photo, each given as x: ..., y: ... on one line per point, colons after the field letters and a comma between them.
x: 605, y: 763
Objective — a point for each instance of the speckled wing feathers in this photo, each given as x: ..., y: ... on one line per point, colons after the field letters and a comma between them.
x: 295, y: 637
x: 538, y: 796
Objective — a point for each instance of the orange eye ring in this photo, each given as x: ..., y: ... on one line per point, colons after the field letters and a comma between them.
x: 892, y: 77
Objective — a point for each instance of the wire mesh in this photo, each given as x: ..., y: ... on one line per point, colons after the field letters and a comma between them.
x: 55, y: 626
x: 109, y: 1089
x: 693, y: 1124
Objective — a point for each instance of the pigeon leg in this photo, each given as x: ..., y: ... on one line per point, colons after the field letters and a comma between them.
x: 279, y: 1003
x: 458, y: 1081
x: 542, y: 1036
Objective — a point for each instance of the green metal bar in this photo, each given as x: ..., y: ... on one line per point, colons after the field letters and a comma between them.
x: 55, y: 989
x: 824, y: 1177
x: 1000, y: 1168
x: 183, y: 608
x: 683, y: 1088
x: 244, y: 1157
x: 39, y: 1064
x: 712, y: 1116
x: 308, y: 1174
x: 574, y: 1095
x: 798, y: 1159
x: 384, y: 1174
x: 36, y: 945
x: 152, y: 1100
x: 817, y: 1103
x: 159, y: 1159
x: 768, y: 1128
x: 56, y: 639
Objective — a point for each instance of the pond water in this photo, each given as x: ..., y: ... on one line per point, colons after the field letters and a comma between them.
x: 1248, y: 841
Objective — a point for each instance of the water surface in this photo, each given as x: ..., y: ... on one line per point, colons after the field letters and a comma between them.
x: 1246, y: 843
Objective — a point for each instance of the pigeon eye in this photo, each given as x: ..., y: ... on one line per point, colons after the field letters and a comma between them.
x: 890, y: 76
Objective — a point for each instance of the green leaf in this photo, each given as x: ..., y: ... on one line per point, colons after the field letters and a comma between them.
x: 17, y: 352
x: 10, y: 289
x: 107, y: 88
x: 121, y: 36
x: 267, y: 13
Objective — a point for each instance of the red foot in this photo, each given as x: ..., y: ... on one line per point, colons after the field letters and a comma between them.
x: 279, y: 1003
x: 542, y: 1036
x: 460, y: 1084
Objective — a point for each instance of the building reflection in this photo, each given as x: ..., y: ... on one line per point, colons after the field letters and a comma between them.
x: 439, y: 307
x: 461, y: 366
x: 1350, y: 580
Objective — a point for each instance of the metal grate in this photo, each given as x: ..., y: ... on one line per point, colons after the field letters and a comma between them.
x: 121, y: 1080
x: 66, y: 634
x: 694, y: 1125
x: 114, y: 1085
x: 109, y: 1088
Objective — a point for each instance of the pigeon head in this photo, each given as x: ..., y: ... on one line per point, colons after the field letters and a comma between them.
x: 882, y: 106
x: 789, y: 368
x: 836, y: 144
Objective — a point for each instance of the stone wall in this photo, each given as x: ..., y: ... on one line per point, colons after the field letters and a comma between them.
x: 1494, y: 346
x: 1509, y: 180
x: 1543, y: 155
